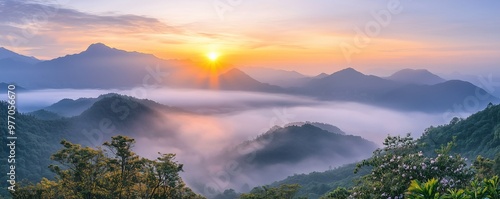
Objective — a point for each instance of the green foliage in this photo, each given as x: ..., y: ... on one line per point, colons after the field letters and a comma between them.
x: 37, y: 141
x: 428, y: 190
x: 399, y: 162
x: 479, y: 134
x: 227, y: 194
x: 316, y: 184
x: 265, y: 192
x: 85, y: 172
x: 403, y: 160
x: 339, y: 193
x: 455, y: 194
x: 488, y: 188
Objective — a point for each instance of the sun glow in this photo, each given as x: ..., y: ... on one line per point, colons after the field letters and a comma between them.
x: 213, y: 56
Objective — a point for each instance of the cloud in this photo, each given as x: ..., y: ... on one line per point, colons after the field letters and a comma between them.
x: 220, y: 120
x: 28, y: 24
x: 19, y: 13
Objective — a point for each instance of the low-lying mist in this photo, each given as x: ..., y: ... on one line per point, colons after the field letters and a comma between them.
x: 218, y: 120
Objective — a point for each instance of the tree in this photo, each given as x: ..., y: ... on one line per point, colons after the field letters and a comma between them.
x: 339, y: 193
x: 124, y: 165
x: 283, y: 192
x: 400, y: 162
x: 87, y: 173
x: 83, y: 173
x: 227, y: 194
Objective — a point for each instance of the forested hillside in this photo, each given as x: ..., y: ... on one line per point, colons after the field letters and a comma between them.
x: 37, y: 140
x: 479, y: 134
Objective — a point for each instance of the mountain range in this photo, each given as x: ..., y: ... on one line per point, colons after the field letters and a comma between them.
x: 100, y: 66
x: 351, y: 85
x: 7, y: 56
x: 282, y: 78
x: 4, y: 87
x: 318, y: 144
x: 416, y: 76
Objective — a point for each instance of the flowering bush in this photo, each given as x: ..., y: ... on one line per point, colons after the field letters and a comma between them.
x: 399, y: 162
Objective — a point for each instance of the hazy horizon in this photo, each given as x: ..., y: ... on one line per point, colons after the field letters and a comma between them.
x: 217, y: 83
x: 442, y: 37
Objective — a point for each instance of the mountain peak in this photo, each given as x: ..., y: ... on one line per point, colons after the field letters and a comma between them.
x: 321, y: 75
x: 348, y: 72
x: 235, y: 79
x: 235, y: 72
x: 98, y: 47
x: 416, y: 76
x: 8, y: 54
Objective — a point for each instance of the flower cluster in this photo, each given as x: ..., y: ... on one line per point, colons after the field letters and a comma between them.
x: 394, y: 167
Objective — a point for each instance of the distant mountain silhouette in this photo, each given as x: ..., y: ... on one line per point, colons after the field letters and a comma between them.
x: 17, y: 68
x: 99, y: 66
x: 129, y: 115
x: 235, y: 79
x: 416, y: 76
x: 45, y: 115
x: 7, y: 55
x: 438, y: 97
x: 282, y: 78
x: 106, y: 67
x: 321, y: 75
x: 349, y: 85
x: 69, y: 107
x: 4, y: 88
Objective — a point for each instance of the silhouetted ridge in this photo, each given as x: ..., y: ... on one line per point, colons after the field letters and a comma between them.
x: 235, y: 79
x: 416, y: 76
x: 294, y: 143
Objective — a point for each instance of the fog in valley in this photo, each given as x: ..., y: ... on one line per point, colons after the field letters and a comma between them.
x: 214, y: 122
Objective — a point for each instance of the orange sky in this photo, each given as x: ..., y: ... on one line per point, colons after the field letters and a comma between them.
x: 313, y: 37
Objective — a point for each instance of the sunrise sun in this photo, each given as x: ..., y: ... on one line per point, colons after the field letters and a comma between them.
x: 213, y: 56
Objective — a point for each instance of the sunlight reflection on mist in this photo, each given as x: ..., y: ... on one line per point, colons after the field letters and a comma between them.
x: 221, y: 119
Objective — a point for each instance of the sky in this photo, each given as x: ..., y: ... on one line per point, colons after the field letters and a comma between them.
x: 376, y: 37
